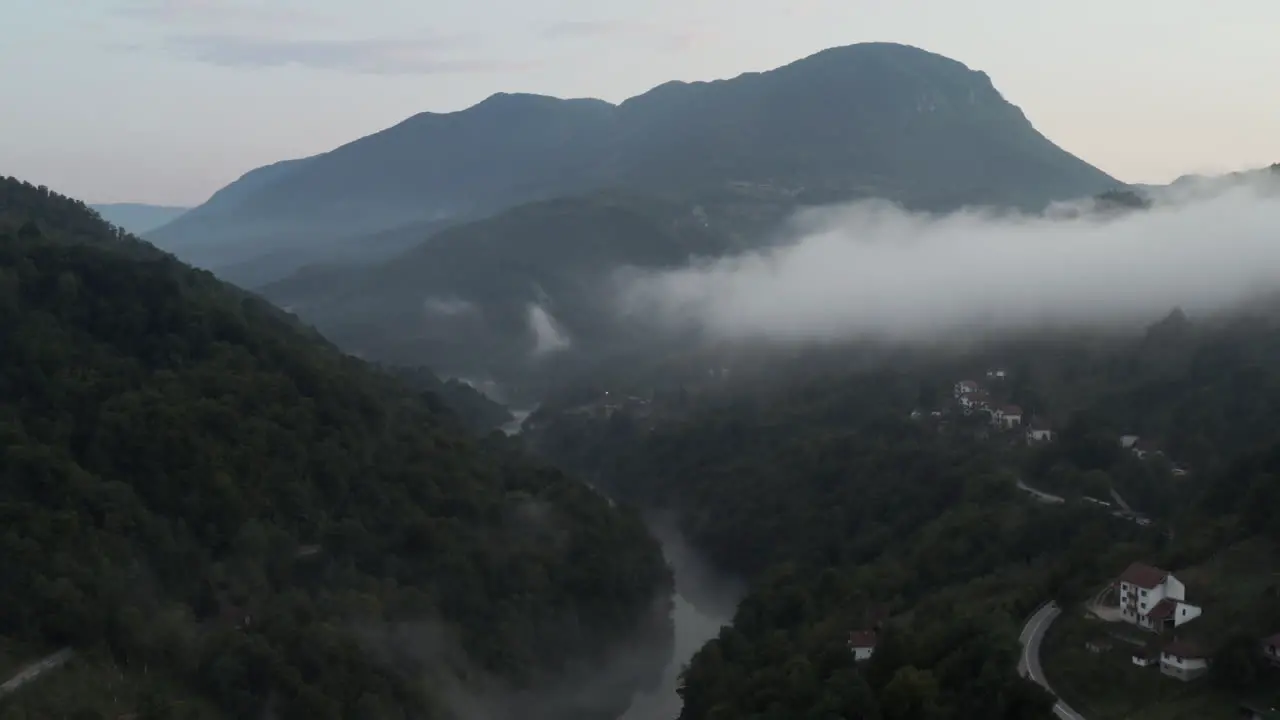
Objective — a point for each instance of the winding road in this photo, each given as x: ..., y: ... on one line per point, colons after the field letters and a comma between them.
x: 1029, y: 664
x: 35, y: 670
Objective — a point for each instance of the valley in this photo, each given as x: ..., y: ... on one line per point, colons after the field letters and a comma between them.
x: 831, y: 390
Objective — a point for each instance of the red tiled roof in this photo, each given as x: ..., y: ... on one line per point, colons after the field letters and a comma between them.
x: 1144, y: 576
x: 862, y: 639
x: 1011, y: 410
x: 1163, y: 609
x: 1038, y: 424
x: 1184, y: 649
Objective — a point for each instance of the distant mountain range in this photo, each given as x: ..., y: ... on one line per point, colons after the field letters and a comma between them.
x: 138, y: 218
x: 868, y: 120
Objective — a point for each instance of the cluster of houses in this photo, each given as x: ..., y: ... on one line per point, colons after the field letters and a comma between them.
x: 1154, y: 600
x: 972, y: 398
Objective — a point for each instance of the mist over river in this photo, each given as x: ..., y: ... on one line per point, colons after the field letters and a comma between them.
x: 704, y: 601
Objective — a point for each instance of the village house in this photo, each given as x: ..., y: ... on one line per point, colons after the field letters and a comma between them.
x: 863, y: 644
x: 1154, y: 599
x: 1271, y: 649
x: 1039, y: 431
x: 966, y: 387
x: 995, y: 374
x: 1128, y: 441
x: 1142, y: 448
x: 1183, y: 660
x: 975, y: 402
x: 1146, y: 656
x: 1006, y: 416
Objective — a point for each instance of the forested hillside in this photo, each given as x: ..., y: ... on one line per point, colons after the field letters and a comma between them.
x: 844, y: 506
x: 235, y: 519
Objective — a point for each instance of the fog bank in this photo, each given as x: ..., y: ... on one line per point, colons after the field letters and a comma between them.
x: 871, y: 270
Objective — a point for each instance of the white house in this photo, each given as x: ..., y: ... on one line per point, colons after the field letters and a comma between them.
x: 1146, y: 656
x: 1128, y: 441
x: 1007, y: 416
x: 1183, y: 660
x: 1271, y: 649
x: 995, y: 374
x: 1154, y: 599
x: 966, y: 387
x: 1143, y: 448
x: 863, y: 644
x: 1039, y: 431
x: 975, y: 401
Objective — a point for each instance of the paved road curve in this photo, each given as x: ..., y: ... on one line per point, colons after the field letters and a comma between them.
x: 1029, y: 664
x: 35, y: 670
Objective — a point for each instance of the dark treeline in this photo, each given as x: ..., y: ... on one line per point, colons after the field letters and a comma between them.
x: 836, y: 502
x: 191, y: 482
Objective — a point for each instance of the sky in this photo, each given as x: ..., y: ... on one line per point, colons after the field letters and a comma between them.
x: 165, y: 101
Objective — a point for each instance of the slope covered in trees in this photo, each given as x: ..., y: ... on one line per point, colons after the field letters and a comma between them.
x: 839, y: 504
x: 192, y: 483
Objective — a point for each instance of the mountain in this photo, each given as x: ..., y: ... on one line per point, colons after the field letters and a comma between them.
x: 138, y: 218
x: 502, y: 296
x: 227, y: 517
x: 874, y: 119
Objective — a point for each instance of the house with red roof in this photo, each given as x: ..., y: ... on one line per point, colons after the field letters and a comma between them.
x: 1006, y: 416
x: 1154, y: 599
x: 1184, y: 660
x: 863, y: 644
x: 1039, y: 431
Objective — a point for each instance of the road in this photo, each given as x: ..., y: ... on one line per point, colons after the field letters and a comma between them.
x: 1029, y: 664
x: 35, y: 670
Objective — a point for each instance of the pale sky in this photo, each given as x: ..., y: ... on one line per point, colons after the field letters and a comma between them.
x: 165, y: 101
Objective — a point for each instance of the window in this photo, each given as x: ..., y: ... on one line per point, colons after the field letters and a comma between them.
x: 1144, y: 593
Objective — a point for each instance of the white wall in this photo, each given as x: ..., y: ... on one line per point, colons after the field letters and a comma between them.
x: 863, y: 653
x: 1174, y: 588
x: 1185, y: 613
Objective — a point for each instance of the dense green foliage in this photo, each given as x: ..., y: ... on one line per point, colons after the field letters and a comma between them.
x: 868, y: 120
x: 835, y: 500
x: 190, y: 481
x: 464, y: 297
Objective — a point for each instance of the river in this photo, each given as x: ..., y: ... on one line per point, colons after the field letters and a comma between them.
x: 704, y: 601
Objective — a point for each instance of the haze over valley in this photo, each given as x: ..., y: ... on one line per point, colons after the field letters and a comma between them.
x: 833, y: 388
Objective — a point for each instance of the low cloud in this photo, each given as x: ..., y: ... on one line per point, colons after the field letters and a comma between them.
x: 873, y: 271
x: 376, y: 56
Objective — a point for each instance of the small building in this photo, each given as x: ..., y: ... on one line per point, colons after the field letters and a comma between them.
x: 1183, y: 660
x: 975, y: 402
x: 1128, y: 441
x: 1098, y: 647
x: 1146, y: 656
x: 863, y: 644
x: 996, y: 374
x: 1144, y: 448
x: 1039, y: 431
x: 1154, y: 599
x: 1006, y: 416
x: 966, y: 387
x: 1271, y: 649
